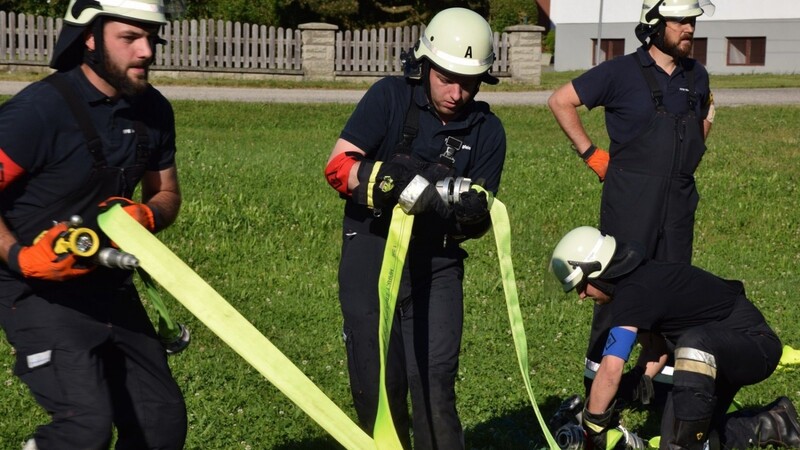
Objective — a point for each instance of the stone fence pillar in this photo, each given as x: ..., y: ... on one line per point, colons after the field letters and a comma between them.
x: 525, y: 54
x: 319, y: 50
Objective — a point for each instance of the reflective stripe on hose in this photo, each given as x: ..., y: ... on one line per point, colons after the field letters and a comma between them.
x: 221, y: 318
x: 394, y: 256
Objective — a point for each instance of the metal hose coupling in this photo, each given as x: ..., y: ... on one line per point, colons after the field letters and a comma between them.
x: 84, y: 243
x: 450, y: 189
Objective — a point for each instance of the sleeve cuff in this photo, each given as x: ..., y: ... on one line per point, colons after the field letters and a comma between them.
x: 13, y: 258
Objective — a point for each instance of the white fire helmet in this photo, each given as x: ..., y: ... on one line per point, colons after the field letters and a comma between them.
x: 582, y: 249
x: 654, y: 10
x: 80, y: 15
x: 459, y: 41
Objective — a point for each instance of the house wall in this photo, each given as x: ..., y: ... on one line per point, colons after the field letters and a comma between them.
x: 777, y: 20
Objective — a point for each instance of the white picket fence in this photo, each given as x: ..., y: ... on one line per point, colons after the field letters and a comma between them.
x: 216, y: 45
x: 379, y: 50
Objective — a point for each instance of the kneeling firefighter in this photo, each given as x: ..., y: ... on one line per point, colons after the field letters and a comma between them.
x: 721, y: 340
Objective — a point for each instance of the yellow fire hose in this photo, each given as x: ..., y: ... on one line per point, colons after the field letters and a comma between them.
x: 391, y: 270
x: 221, y: 318
x: 83, y: 242
x: 227, y: 323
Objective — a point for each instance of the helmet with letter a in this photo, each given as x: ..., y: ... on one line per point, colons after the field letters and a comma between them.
x: 458, y: 41
x: 655, y: 13
x: 82, y: 14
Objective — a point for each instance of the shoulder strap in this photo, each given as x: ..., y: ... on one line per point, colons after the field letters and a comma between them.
x: 692, y: 98
x: 655, y: 90
x: 142, y: 142
x: 410, y: 128
x: 451, y: 145
x: 81, y: 114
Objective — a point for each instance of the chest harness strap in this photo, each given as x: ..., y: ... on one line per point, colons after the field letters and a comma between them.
x: 655, y: 90
x: 452, y: 144
x: 93, y: 141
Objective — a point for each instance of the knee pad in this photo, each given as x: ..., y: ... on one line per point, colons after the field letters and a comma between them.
x: 694, y: 383
x: 694, y: 367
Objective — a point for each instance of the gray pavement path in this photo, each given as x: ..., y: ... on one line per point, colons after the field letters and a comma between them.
x: 722, y: 97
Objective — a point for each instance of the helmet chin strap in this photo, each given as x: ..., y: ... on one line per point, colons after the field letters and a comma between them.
x: 657, y: 38
x: 652, y: 34
x: 426, y: 77
x: 96, y: 59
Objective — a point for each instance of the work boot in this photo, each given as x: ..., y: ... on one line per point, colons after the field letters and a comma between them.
x: 775, y: 424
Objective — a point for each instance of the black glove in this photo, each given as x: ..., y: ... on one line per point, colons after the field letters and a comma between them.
x: 635, y: 386
x: 435, y: 171
x: 644, y: 390
x: 472, y: 215
x: 382, y: 187
x: 597, y: 426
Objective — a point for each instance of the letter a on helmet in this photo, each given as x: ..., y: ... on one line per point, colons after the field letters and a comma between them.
x: 454, y: 32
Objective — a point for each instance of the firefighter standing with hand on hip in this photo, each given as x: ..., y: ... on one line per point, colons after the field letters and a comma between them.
x: 71, y: 144
x: 721, y: 340
x: 658, y: 112
x: 405, y: 135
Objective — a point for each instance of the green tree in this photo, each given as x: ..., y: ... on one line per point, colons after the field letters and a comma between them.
x: 347, y: 14
x: 350, y: 14
x: 504, y: 13
x: 247, y: 11
x: 52, y: 8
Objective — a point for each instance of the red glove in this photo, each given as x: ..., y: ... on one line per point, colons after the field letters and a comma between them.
x: 40, y: 261
x: 139, y: 211
x: 597, y: 160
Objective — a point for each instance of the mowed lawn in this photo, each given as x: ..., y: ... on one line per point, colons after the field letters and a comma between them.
x: 262, y: 227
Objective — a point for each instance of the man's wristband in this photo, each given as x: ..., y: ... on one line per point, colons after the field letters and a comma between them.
x: 158, y: 221
x: 588, y: 153
x: 13, y: 257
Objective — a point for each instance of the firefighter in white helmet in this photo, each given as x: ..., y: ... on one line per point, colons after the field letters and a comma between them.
x: 71, y: 144
x: 721, y: 342
x: 406, y: 134
x: 658, y: 112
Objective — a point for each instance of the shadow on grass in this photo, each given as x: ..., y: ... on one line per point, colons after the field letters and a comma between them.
x: 518, y: 429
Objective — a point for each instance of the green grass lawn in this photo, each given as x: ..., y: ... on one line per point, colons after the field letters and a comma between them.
x: 549, y: 81
x: 260, y: 224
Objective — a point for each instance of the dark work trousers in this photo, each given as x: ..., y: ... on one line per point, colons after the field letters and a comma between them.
x: 650, y: 197
x: 742, y: 358
x: 425, y: 340
x: 93, y: 363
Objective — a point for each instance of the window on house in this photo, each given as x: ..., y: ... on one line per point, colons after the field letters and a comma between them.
x: 700, y: 50
x: 747, y: 51
x: 609, y: 49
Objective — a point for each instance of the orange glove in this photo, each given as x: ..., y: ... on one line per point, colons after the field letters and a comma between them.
x: 40, y: 261
x: 597, y: 160
x: 139, y: 211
